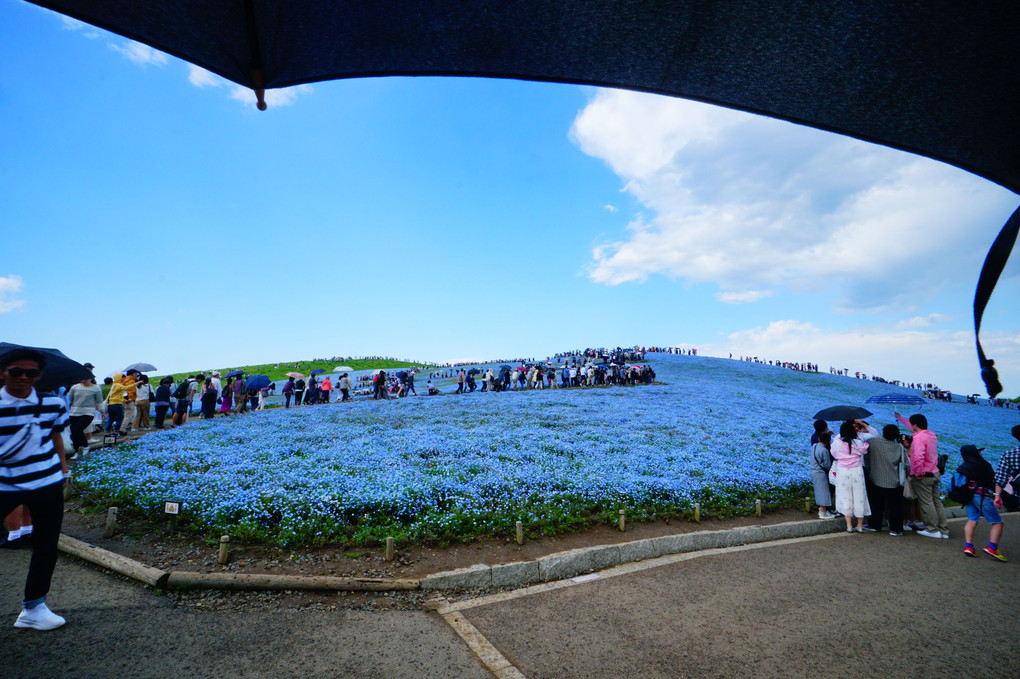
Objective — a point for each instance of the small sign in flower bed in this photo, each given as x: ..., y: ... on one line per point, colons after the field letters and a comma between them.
x: 715, y: 432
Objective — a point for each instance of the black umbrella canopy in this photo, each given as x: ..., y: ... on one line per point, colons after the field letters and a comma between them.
x: 60, y: 371
x: 934, y: 77
x: 841, y: 413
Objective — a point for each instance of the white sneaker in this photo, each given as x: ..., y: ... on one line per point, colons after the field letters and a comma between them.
x: 40, y: 617
x: 929, y: 534
x: 945, y: 536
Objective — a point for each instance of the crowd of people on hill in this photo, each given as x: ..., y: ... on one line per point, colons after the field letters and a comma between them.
x: 891, y: 481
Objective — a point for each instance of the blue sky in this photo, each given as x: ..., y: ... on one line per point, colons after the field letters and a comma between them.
x: 157, y: 216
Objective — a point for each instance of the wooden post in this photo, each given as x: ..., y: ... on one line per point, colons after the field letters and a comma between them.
x: 807, y: 505
x: 623, y: 521
x: 520, y: 532
x: 111, y: 522
x: 224, y: 550
x: 697, y: 512
x: 389, y: 549
x: 757, y: 508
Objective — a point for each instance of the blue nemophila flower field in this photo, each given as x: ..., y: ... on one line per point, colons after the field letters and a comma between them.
x: 719, y: 432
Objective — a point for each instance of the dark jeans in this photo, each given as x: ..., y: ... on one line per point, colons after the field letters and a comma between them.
x: 286, y: 398
x: 46, y: 505
x: 160, y: 416
x: 887, y: 502
x: 115, y: 415
x: 78, y: 425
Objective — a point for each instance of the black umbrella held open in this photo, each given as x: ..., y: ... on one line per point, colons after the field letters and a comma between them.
x: 60, y: 371
x: 474, y: 371
x: 842, y: 413
x: 234, y: 373
x: 317, y: 371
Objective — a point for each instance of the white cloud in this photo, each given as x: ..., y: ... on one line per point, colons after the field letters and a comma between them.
x: 140, y: 54
x: 201, y: 78
x: 923, y: 321
x: 945, y: 357
x: 743, y: 296
x: 87, y: 30
x: 611, y: 208
x: 10, y: 286
x: 748, y: 202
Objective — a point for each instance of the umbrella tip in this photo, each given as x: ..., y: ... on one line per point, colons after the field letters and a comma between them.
x: 260, y: 95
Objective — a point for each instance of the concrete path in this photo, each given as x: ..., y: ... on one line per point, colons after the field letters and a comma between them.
x: 828, y: 606
x: 831, y: 606
x: 117, y: 629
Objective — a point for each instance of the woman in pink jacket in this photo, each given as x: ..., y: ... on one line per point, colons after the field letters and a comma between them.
x: 848, y: 451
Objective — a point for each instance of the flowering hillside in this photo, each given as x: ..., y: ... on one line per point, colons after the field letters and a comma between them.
x: 715, y: 431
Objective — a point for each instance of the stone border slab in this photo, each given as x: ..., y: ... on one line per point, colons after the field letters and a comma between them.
x: 548, y: 569
x: 575, y: 562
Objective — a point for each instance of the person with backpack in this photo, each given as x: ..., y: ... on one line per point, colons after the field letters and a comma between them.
x: 1007, y: 477
x: 925, y: 480
x: 181, y: 394
x: 971, y: 486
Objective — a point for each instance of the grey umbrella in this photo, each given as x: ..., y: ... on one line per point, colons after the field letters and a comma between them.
x: 141, y: 367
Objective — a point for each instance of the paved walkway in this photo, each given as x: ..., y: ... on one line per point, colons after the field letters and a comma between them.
x: 117, y: 629
x: 832, y: 606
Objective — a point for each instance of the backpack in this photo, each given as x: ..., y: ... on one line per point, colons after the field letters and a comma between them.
x: 958, y: 490
x: 182, y: 390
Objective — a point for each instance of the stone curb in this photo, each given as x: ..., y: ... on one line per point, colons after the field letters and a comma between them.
x: 575, y: 562
x: 552, y: 567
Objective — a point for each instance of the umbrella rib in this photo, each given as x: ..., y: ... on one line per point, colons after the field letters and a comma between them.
x: 256, y: 55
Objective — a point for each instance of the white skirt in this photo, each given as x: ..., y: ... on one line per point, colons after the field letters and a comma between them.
x: 851, y: 495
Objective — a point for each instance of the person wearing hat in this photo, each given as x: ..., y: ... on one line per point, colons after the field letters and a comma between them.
x: 980, y: 479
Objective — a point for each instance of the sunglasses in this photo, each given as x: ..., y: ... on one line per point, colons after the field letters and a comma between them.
x: 31, y: 373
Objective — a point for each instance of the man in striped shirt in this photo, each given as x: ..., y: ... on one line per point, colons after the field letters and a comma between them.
x: 32, y: 472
